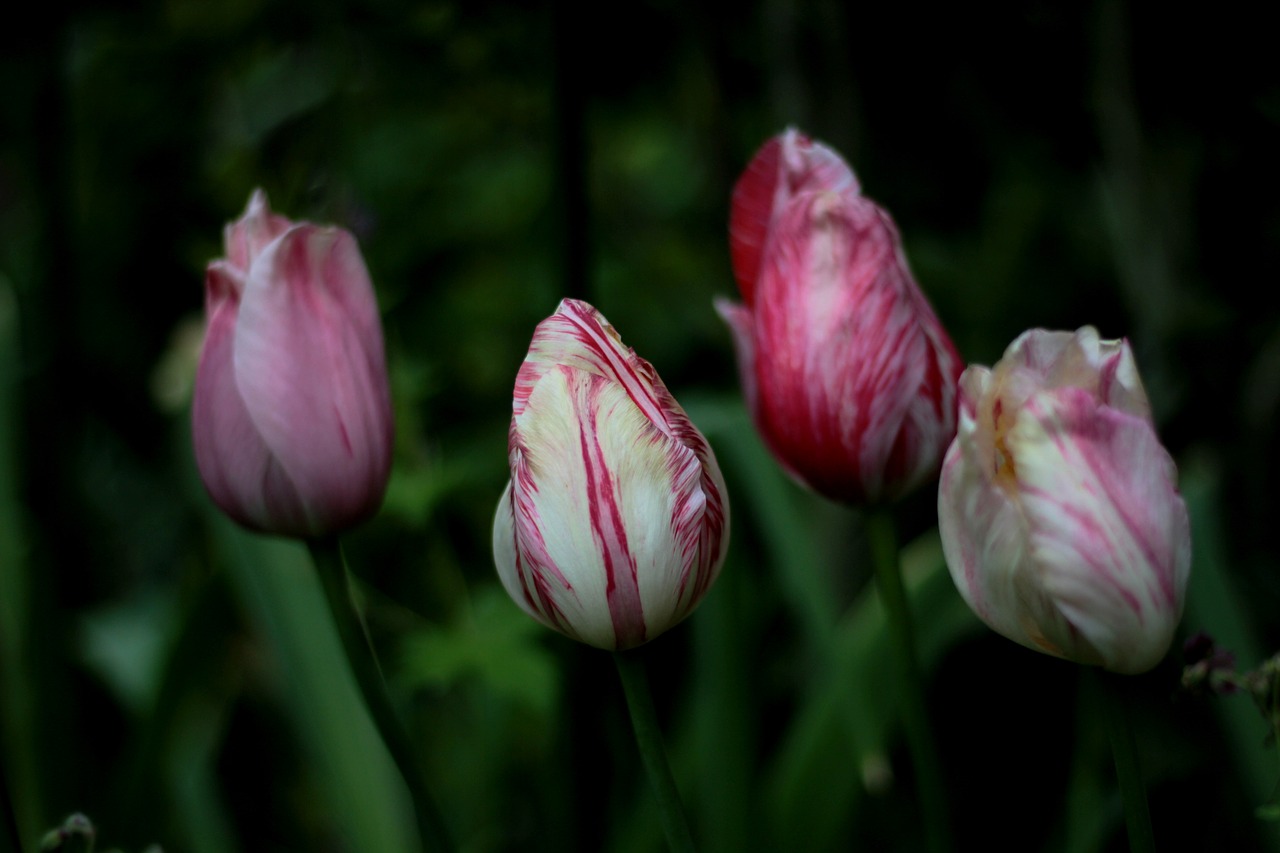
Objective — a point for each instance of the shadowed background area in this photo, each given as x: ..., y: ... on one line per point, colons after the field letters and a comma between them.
x: 178, y: 681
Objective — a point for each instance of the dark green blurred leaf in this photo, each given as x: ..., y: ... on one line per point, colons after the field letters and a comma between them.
x: 365, y: 797
x: 497, y: 643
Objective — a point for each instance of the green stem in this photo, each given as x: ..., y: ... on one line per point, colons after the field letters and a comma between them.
x: 1133, y: 790
x: 649, y: 739
x: 332, y: 568
x: 893, y: 595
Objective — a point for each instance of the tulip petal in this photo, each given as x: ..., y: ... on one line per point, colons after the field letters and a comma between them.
x: 857, y: 393
x: 310, y: 367
x: 1108, y: 528
x: 578, y: 336
x: 1078, y: 359
x: 701, y: 519
x: 786, y: 166
x: 601, y: 509
x: 222, y: 283
x: 742, y: 325
x: 1060, y: 517
x: 984, y: 540
x: 248, y: 236
x: 238, y: 470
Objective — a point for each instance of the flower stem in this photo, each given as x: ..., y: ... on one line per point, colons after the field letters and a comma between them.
x: 924, y: 754
x: 635, y: 683
x: 332, y: 568
x: 1124, y: 749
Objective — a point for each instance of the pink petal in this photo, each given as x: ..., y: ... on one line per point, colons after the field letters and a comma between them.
x: 742, y: 325
x: 238, y: 470
x: 249, y: 235
x: 855, y: 376
x: 309, y: 364
x: 786, y: 166
x: 1108, y: 528
x: 1060, y: 517
x: 1078, y: 359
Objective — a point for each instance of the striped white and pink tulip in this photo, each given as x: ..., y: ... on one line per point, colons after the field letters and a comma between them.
x: 616, y: 521
x: 1059, y: 510
x: 849, y: 375
x: 291, y: 418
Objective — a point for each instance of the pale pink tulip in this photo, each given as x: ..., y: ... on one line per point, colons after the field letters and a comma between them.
x: 616, y: 521
x: 1060, y: 516
x: 291, y: 419
x: 848, y: 373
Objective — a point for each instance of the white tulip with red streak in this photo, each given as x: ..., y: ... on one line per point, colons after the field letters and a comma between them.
x: 615, y: 522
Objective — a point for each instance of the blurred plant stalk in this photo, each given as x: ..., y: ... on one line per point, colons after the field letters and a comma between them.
x: 1133, y: 789
x: 346, y: 758
x: 915, y: 718
x: 326, y: 552
x: 644, y: 720
x: 21, y: 817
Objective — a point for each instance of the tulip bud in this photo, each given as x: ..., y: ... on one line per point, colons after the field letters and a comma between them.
x: 1061, y: 521
x: 847, y: 371
x: 786, y: 166
x: 616, y: 521
x: 291, y: 417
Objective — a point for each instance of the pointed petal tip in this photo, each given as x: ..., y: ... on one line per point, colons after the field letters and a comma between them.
x: 258, y: 204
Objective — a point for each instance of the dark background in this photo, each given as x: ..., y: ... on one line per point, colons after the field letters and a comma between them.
x: 1048, y: 165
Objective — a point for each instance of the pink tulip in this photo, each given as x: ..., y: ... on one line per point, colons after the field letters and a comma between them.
x: 847, y: 371
x: 292, y: 420
x: 786, y: 166
x: 1060, y: 516
x: 615, y: 522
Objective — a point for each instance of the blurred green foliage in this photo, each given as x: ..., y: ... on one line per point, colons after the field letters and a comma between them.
x: 177, y: 680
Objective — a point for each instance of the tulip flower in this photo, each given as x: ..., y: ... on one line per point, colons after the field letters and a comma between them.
x: 1061, y: 521
x: 848, y: 373
x: 291, y: 417
x: 615, y: 522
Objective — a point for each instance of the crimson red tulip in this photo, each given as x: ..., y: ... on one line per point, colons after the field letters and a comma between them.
x: 849, y: 375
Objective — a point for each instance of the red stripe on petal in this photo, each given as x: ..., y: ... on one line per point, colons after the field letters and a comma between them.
x: 622, y: 589
x: 617, y: 361
x: 541, y: 580
x: 851, y: 395
x: 751, y: 213
x: 579, y: 336
x: 699, y: 520
x: 788, y: 165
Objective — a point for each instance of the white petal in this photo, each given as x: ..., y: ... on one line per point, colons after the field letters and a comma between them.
x: 985, y: 542
x: 603, y: 488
